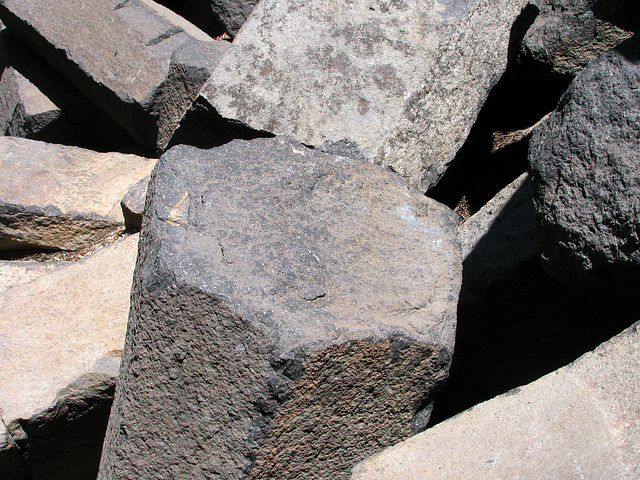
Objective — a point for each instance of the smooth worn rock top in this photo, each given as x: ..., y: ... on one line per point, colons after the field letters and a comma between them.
x: 314, y: 248
x: 70, y: 179
x: 580, y: 422
x: 62, y: 324
x: 381, y: 75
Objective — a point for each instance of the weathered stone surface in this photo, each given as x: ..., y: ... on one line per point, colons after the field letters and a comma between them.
x: 9, y: 97
x: 136, y: 59
x: 585, y: 168
x: 501, y: 237
x: 292, y: 312
x: 58, y: 197
x: 233, y: 13
x: 582, y: 421
x: 133, y: 204
x: 61, y: 334
x: 379, y: 77
x: 567, y: 34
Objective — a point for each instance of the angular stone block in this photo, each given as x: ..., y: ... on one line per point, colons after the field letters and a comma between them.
x: 292, y: 311
x: 586, y: 174
x: 136, y: 59
x: 582, y: 421
x: 62, y: 198
x: 61, y: 335
x: 398, y: 83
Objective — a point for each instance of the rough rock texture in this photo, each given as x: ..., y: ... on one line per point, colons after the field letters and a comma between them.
x: 567, y: 34
x: 586, y: 172
x: 498, y: 239
x: 582, y: 421
x: 133, y: 204
x: 292, y: 313
x: 9, y: 97
x: 233, y: 13
x: 379, y: 77
x: 58, y: 197
x: 61, y: 335
x: 136, y: 59
x: 51, y: 109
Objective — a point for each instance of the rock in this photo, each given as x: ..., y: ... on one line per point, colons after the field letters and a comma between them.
x: 498, y: 239
x: 233, y: 13
x: 378, y: 77
x: 198, y: 12
x: 64, y: 198
x: 61, y: 335
x: 9, y: 96
x: 292, y: 313
x: 62, y: 114
x: 136, y: 59
x: 567, y: 34
x: 133, y: 204
x: 582, y: 421
x: 584, y: 165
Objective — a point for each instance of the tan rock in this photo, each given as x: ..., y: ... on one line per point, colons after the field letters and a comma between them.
x: 60, y: 197
x: 579, y: 422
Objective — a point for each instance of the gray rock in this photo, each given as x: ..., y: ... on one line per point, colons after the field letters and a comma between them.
x: 9, y: 97
x: 582, y: 421
x: 133, y: 204
x: 376, y: 75
x: 567, y: 34
x: 136, y: 59
x: 62, y: 198
x: 585, y: 168
x: 233, y: 13
x: 292, y: 313
x: 501, y: 237
x: 61, y: 337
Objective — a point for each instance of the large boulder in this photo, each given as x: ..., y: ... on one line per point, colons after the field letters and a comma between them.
x: 582, y: 421
x: 586, y: 171
x: 62, y: 329
x: 56, y: 197
x: 568, y: 34
x: 292, y: 313
x: 368, y: 80
x: 137, y: 60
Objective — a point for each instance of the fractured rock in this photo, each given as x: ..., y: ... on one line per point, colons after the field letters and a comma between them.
x: 379, y: 77
x: 501, y: 237
x: 567, y: 34
x: 61, y: 334
x: 136, y: 59
x: 585, y: 169
x: 582, y: 421
x: 233, y: 13
x: 292, y: 312
x: 133, y: 204
x: 62, y: 198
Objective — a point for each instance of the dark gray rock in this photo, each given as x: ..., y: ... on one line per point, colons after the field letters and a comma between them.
x: 140, y: 62
x: 9, y: 97
x: 292, y: 313
x: 133, y: 204
x: 377, y: 76
x: 233, y: 13
x: 586, y: 171
x: 568, y: 34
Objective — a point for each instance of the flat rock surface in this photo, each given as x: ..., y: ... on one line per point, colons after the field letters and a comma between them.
x: 368, y: 79
x: 580, y: 422
x: 586, y: 175
x: 61, y: 325
x: 291, y: 311
x: 136, y: 59
x: 62, y: 197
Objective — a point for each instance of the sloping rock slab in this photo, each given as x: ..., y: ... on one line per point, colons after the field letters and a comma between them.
x: 379, y: 77
x: 567, y: 34
x: 582, y: 421
x: 61, y: 335
x: 292, y: 312
x: 136, y: 59
x: 586, y: 173
x: 59, y: 197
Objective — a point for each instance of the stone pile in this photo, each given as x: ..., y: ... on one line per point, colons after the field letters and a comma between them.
x: 299, y: 301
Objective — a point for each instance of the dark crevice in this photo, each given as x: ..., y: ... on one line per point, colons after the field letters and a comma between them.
x: 198, y: 12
